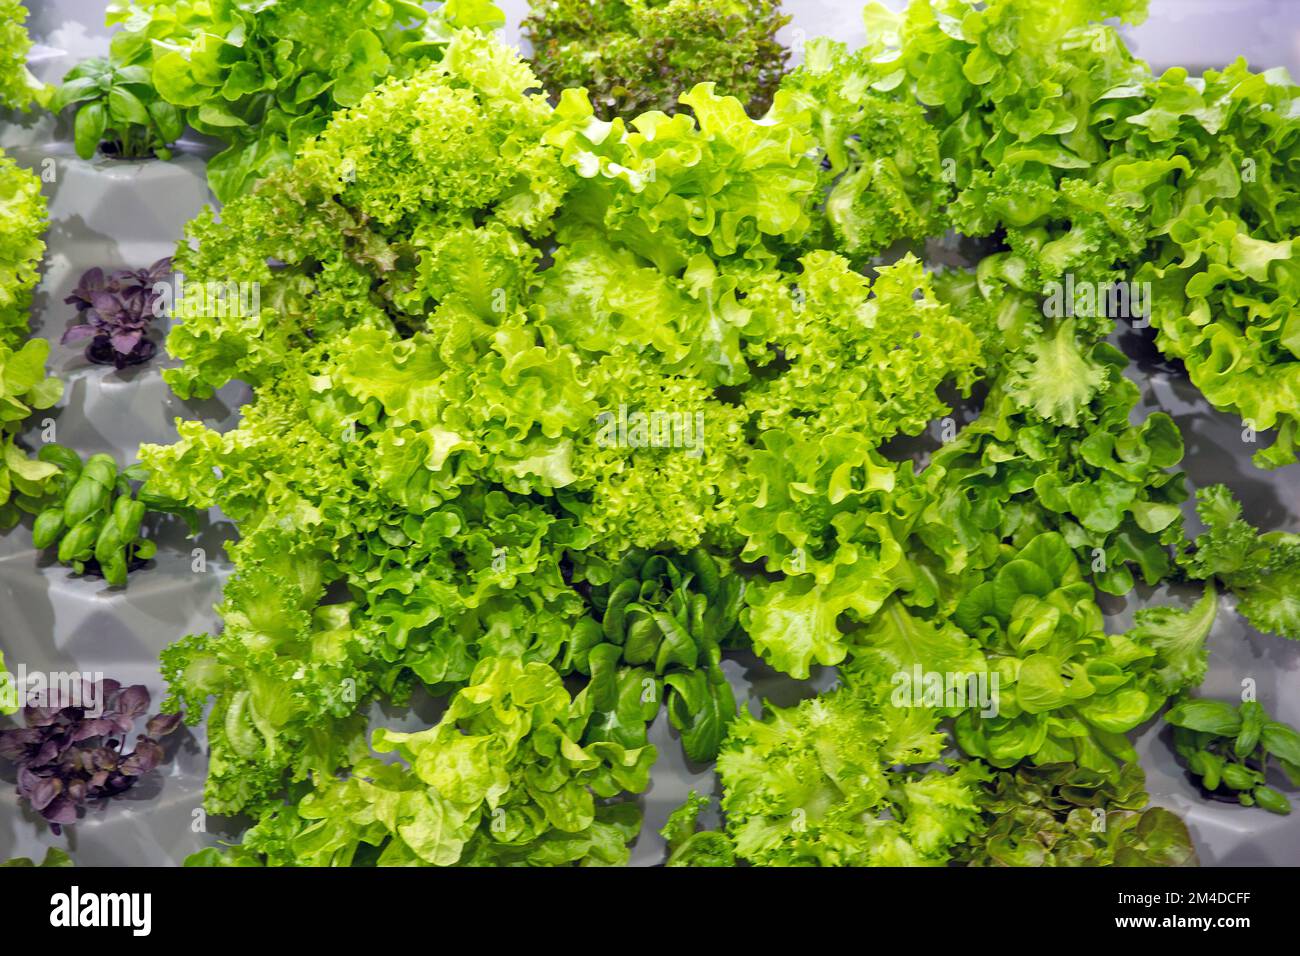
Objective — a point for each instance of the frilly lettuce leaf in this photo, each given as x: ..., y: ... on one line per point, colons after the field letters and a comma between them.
x: 794, y: 623
x: 1104, y: 484
x: 872, y: 364
x: 817, y: 784
x: 502, y: 778
x: 1178, y: 636
x: 884, y: 178
x: 18, y: 88
x: 1055, y: 378
x: 353, y: 226
x: 1261, y: 570
x: 22, y: 221
x: 670, y: 187
x: 265, y: 79
x: 24, y: 388
x: 690, y: 846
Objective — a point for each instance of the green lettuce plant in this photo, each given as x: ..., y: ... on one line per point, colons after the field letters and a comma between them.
x: 24, y: 387
x: 883, y: 170
x: 1261, y: 570
x: 21, y: 248
x: 1226, y: 271
x: 264, y: 78
x: 1063, y: 815
x: 502, y: 779
x: 18, y: 88
x: 1084, y: 170
x: 914, y: 545
x: 688, y: 844
x: 460, y: 536
x: 1105, y: 484
x: 671, y: 616
x: 1178, y: 636
x: 842, y: 780
x: 1067, y: 692
x: 445, y: 566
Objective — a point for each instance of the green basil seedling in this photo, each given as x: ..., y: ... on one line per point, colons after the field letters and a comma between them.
x: 118, y: 106
x: 1230, y: 749
x: 92, y: 515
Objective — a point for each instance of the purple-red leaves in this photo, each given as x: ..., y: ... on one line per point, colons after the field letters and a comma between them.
x: 68, y: 756
x: 116, y: 310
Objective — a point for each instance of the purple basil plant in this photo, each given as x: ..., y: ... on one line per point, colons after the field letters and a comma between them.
x: 67, y: 757
x: 116, y: 310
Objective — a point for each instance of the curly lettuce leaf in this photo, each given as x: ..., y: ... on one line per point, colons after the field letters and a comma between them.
x: 22, y: 222
x: 1179, y: 636
x: 356, y: 232
x: 669, y: 188
x: 501, y: 779
x: 18, y: 88
x: 815, y: 785
x: 688, y: 845
x: 266, y: 79
x: 1261, y: 570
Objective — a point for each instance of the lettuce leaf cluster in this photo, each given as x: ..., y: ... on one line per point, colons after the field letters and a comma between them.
x: 1079, y: 162
x: 1062, y: 815
x: 265, y: 78
x: 454, y: 454
x: 691, y: 845
x: 18, y: 88
x: 635, y: 56
x: 24, y: 386
x: 916, y: 544
x: 1068, y: 692
x: 502, y: 779
x: 1213, y: 160
x: 550, y: 411
x: 669, y: 617
x: 1261, y: 570
x: 841, y: 780
x: 22, y: 223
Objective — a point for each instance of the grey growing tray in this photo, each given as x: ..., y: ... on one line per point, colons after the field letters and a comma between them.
x: 110, y: 214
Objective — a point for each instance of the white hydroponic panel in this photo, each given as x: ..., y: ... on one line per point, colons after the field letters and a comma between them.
x: 114, y: 214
